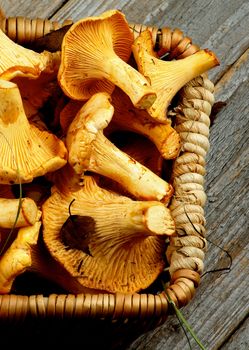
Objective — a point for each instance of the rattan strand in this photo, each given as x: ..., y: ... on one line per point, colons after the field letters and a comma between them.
x: 186, y: 251
x: 24, y: 30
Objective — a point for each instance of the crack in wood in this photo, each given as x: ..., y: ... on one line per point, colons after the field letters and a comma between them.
x: 229, y: 82
x: 227, y: 76
x: 234, y: 331
x: 58, y: 9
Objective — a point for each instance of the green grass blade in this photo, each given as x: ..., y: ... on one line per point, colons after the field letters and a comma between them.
x: 183, y: 320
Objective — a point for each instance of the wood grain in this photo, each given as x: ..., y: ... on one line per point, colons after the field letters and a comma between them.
x: 239, y: 339
x: 231, y: 80
x: 30, y: 8
x: 219, y: 311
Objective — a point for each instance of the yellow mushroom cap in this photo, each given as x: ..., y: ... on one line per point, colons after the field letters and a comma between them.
x: 35, y: 91
x: 168, y: 77
x: 26, y: 151
x: 120, y: 244
x: 16, y: 60
x: 17, y: 257
x: 93, y: 59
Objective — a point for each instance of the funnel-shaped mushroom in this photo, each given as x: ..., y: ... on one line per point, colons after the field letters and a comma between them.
x: 167, y: 77
x: 16, y: 60
x: 90, y: 150
x: 93, y: 59
x: 28, y: 254
x: 127, y: 117
x: 109, y: 242
x: 17, y: 257
x: 34, y: 73
x: 26, y: 151
x: 35, y: 92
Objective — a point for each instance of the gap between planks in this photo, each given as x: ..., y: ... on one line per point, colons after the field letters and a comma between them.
x: 232, y: 77
x: 58, y: 9
x: 235, y: 333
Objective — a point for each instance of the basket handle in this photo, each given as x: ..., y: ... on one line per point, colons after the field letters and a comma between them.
x: 24, y: 30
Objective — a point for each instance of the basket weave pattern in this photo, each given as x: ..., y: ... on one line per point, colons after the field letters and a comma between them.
x: 186, y: 250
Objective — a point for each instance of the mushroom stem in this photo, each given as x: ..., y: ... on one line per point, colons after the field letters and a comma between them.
x: 17, y: 60
x: 127, y: 117
x: 133, y: 83
x: 9, y: 208
x: 168, y: 77
x: 176, y: 74
x: 136, y: 178
x: 90, y: 150
x: 17, y: 257
x: 132, y: 220
x: 128, y: 223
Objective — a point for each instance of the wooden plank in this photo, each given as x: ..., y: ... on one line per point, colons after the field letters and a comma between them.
x: 222, y: 300
x: 231, y: 80
x: 239, y: 339
x: 230, y: 40
x: 30, y: 8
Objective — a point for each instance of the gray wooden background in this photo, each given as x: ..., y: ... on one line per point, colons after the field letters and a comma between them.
x: 219, y: 312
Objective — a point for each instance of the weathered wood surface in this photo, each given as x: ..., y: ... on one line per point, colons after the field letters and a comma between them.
x: 30, y: 8
x: 219, y: 311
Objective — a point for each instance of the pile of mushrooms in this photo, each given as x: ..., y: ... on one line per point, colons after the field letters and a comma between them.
x: 83, y: 191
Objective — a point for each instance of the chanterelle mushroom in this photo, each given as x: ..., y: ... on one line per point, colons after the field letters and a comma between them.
x: 167, y: 77
x: 90, y: 150
x: 34, y: 73
x: 140, y: 148
x: 17, y: 257
x: 16, y: 60
x: 35, y: 92
x: 93, y: 59
x: 117, y: 245
x: 127, y: 117
x: 26, y: 151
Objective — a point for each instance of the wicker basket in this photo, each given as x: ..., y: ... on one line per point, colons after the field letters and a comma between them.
x: 131, y: 314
